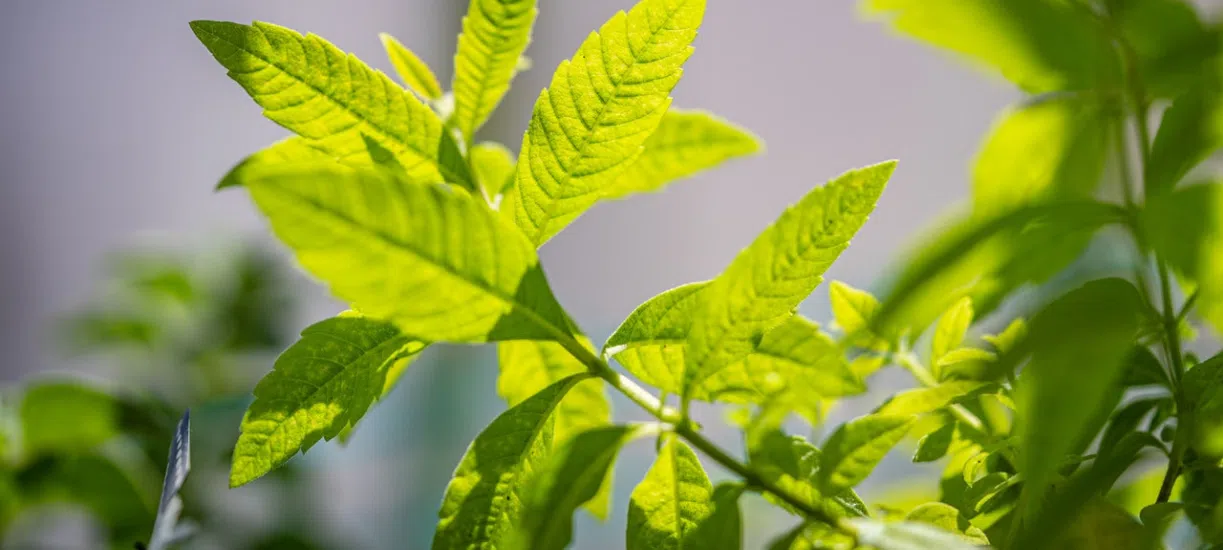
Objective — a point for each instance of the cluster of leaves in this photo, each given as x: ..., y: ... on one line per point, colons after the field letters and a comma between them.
x: 384, y: 195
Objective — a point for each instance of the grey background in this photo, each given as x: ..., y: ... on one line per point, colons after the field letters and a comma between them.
x: 116, y: 124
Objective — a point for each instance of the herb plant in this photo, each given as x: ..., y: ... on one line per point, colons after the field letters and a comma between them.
x: 384, y: 194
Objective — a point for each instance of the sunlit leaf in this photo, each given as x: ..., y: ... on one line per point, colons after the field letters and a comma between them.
x: 935, y: 444
x: 1186, y: 227
x: 853, y: 310
x: 924, y: 400
x: 432, y: 259
x: 907, y: 535
x: 948, y: 519
x: 601, y: 107
x: 853, y: 450
x: 527, y: 367
x: 684, y: 144
x: 495, y: 34
x: 414, y: 72
x: 793, y: 463
x: 772, y: 276
x: 319, y: 386
x: 331, y: 98
x: 493, y: 165
x: 950, y: 330
x: 674, y: 507
x: 484, y: 501
x: 569, y: 478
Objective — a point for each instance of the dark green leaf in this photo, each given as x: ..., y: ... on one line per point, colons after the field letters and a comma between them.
x: 853, y: 450
x: 935, y: 444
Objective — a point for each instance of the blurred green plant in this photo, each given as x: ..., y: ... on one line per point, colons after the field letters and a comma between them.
x: 166, y: 331
x: 385, y: 195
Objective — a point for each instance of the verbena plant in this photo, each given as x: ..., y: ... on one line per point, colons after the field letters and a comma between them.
x: 385, y: 195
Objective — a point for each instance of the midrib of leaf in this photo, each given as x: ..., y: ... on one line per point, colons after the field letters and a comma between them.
x: 346, y: 223
x: 501, y: 494
x: 423, y: 157
x: 551, y: 209
x: 679, y: 522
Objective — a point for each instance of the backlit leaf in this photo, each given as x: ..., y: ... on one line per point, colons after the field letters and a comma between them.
x: 432, y: 259
x: 495, y: 33
x: 950, y: 330
x: 853, y: 310
x: 1192, y: 129
x: 414, y: 72
x: 935, y: 444
x: 1186, y: 227
x: 323, y: 383
x: 484, y: 501
x: 527, y: 367
x: 907, y: 535
x: 1040, y: 45
x: 674, y: 506
x: 601, y: 107
x: 331, y: 98
x: 795, y: 357
x: 853, y: 450
x: 924, y: 400
x: 771, y: 277
x: 494, y: 167
x: 569, y: 478
x: 685, y: 143
x: 290, y: 149
x: 948, y: 519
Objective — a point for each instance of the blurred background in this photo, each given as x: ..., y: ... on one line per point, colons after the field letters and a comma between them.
x: 119, y: 262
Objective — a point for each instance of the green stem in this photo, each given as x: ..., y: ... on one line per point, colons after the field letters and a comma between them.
x: 922, y: 375
x: 686, y: 430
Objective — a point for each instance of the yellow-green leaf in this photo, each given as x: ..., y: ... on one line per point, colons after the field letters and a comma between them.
x: 527, y: 367
x: 290, y: 149
x: 569, y: 478
x: 495, y: 33
x: 907, y: 535
x: 1046, y: 149
x: 428, y: 257
x: 853, y: 450
x: 947, y: 518
x: 771, y: 277
x: 795, y: 357
x: 675, y: 507
x: 1040, y: 45
x: 414, y: 72
x: 853, y: 309
x: 950, y: 330
x: 66, y: 418
x: 319, y: 386
x: 925, y: 400
x: 601, y: 107
x: 493, y: 165
x: 685, y: 143
x: 331, y: 98
x: 484, y: 501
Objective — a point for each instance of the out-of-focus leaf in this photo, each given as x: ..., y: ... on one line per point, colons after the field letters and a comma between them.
x: 414, y: 72
x: 1169, y: 41
x: 1100, y: 525
x: 1192, y: 129
x: 66, y: 417
x: 950, y: 330
x: 908, y: 535
x: 101, y: 486
x: 1074, y: 376
x: 853, y: 310
x: 935, y: 444
x: 1185, y: 226
x: 1203, y: 390
x: 494, y: 167
x: 1040, y: 45
x: 925, y: 400
x: 1045, y: 150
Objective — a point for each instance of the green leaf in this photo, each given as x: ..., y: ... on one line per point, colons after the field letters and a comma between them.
x: 414, y: 72
x: 1005, y: 341
x: 792, y: 463
x: 853, y: 450
x: 674, y: 507
x: 1040, y: 45
x: 430, y: 258
x: 495, y: 34
x: 527, y: 367
x: 66, y: 418
x: 108, y: 492
x: 494, y: 167
x: 907, y: 535
x: 1191, y: 129
x: 1170, y: 43
x: 291, y: 149
x: 323, y: 383
x: 685, y: 143
x: 986, y: 257
x: 1043, y: 150
x: 925, y: 400
x: 965, y: 363
x: 1072, y: 380
x: 949, y: 519
x: 570, y: 477
x: 935, y: 444
x: 1203, y: 388
x: 331, y: 98
x: 795, y: 357
x: 601, y: 107
x: 1126, y: 421
x: 853, y: 310
x: 767, y: 280
x: 1101, y: 525
x: 1186, y: 227
x: 950, y: 330
x: 484, y: 501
